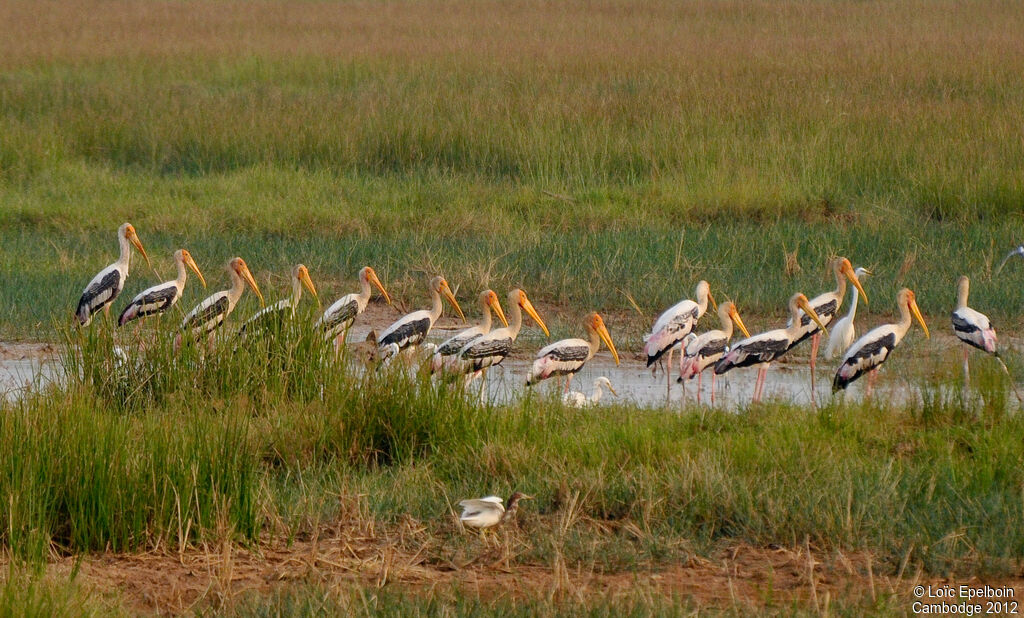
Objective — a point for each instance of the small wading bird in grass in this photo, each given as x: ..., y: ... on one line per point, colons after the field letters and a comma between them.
x: 211, y: 313
x: 274, y: 315
x: 1018, y: 251
x: 490, y: 349
x: 411, y: 329
x: 869, y: 352
x: 337, y: 319
x: 843, y: 332
x: 974, y: 329
x: 108, y: 283
x: 576, y: 399
x: 484, y: 513
x: 769, y: 346
x: 827, y: 307
x: 446, y: 354
x: 705, y: 349
x: 161, y: 297
x: 673, y: 325
x: 567, y: 357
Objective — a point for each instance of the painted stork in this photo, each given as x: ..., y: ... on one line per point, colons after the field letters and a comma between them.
x: 674, y: 324
x: 769, y: 346
x: 411, y: 329
x: 843, y: 332
x: 161, y: 297
x: 108, y: 283
x: 972, y: 327
x: 576, y: 399
x: 869, y: 352
x: 827, y: 307
x: 567, y: 357
x: 337, y: 319
x: 705, y: 350
x: 488, y: 512
x: 490, y: 349
x: 211, y: 313
x: 447, y: 352
x: 283, y: 309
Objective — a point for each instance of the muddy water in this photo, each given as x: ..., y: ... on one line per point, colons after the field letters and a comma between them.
x: 23, y: 366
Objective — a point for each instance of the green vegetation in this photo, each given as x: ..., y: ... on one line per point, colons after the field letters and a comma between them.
x: 592, y: 153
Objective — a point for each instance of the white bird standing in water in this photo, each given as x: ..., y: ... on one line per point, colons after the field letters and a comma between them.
x: 483, y: 513
x: 411, y: 329
x: 108, y: 283
x: 705, y: 350
x: 488, y: 350
x: 337, y: 319
x: 283, y: 309
x: 162, y: 296
x: 869, y: 352
x: 763, y: 348
x: 674, y: 324
x: 447, y: 353
x: 211, y: 313
x: 843, y: 333
x: 826, y: 305
x: 972, y: 327
x: 567, y: 357
x: 576, y: 399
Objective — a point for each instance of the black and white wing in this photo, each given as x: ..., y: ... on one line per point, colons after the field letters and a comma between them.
x: 267, y: 318
x: 763, y: 348
x: 151, y: 301
x: 208, y: 315
x: 100, y: 292
x: 486, y: 351
x: 339, y: 316
x: 409, y: 330
x: 867, y: 353
x: 826, y: 308
x: 974, y: 328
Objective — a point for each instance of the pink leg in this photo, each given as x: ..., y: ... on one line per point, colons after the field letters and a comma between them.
x: 700, y: 377
x: 872, y: 376
x: 668, y: 375
x: 713, y: 376
x: 815, y: 340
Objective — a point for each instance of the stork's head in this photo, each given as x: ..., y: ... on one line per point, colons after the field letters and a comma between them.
x: 440, y: 285
x: 518, y: 297
x: 906, y: 298
x: 301, y: 274
x: 239, y: 267
x: 489, y: 302
x: 369, y: 275
x: 844, y: 267
x: 729, y: 308
x: 596, y: 324
x: 704, y: 292
x: 127, y: 231
x: 799, y: 300
x: 183, y: 256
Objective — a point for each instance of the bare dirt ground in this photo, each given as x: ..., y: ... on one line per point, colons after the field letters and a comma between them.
x: 344, y: 556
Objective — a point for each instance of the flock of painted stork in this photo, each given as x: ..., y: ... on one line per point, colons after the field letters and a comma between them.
x: 472, y: 351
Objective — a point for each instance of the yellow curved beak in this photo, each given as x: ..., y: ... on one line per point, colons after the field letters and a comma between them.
x: 852, y: 276
x: 447, y: 292
x: 806, y: 306
x: 247, y: 276
x: 603, y: 333
x: 527, y: 306
x: 735, y: 315
x: 712, y: 299
x: 195, y: 268
x: 380, y: 286
x: 920, y: 318
x: 134, y: 239
x: 612, y: 389
x: 308, y: 283
x: 496, y: 306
